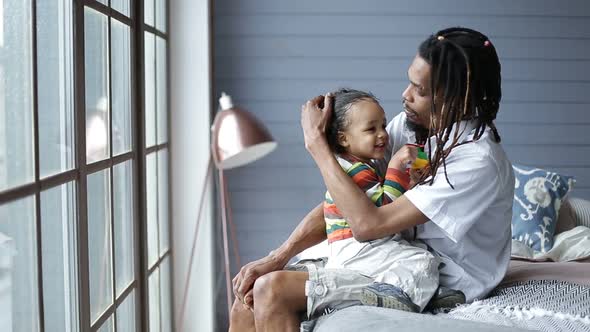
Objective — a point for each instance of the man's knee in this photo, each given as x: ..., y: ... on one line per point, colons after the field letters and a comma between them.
x: 269, y: 287
x: 240, y: 315
x: 238, y: 307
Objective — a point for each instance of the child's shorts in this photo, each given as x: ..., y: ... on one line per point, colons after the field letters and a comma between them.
x: 412, y: 269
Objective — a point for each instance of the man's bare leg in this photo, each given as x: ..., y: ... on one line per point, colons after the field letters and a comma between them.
x: 241, y: 318
x: 279, y: 299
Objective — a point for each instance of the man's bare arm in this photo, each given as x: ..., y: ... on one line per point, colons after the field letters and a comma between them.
x: 310, y: 231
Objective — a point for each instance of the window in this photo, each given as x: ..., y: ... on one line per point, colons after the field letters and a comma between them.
x: 84, y: 217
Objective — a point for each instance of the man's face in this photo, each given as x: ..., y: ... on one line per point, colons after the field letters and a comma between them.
x: 417, y: 99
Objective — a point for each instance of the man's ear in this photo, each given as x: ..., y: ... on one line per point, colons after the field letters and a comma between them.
x: 342, y: 140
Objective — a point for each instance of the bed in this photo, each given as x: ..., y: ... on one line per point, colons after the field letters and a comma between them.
x: 534, y: 296
x: 547, y: 291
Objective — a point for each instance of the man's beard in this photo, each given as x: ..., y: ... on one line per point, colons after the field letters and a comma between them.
x: 420, y: 132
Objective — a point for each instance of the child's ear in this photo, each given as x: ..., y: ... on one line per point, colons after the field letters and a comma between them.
x: 342, y: 140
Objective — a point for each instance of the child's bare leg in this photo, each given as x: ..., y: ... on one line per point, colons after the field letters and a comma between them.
x: 241, y: 318
x: 279, y: 299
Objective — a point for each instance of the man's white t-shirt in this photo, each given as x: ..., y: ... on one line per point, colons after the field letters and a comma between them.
x: 470, y: 225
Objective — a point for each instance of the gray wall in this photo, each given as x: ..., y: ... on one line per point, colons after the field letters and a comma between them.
x: 273, y: 55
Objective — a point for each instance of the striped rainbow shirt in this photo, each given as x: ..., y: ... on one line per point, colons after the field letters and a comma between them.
x: 380, y: 191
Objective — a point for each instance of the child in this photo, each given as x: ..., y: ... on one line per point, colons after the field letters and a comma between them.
x: 399, y: 275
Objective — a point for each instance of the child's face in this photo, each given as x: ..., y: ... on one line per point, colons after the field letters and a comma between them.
x: 365, y: 136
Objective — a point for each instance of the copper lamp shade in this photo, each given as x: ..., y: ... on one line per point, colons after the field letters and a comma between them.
x: 238, y: 138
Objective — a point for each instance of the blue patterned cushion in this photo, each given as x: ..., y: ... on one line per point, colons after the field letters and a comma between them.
x: 538, y: 195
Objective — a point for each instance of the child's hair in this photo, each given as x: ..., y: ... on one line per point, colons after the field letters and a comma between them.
x: 343, y: 100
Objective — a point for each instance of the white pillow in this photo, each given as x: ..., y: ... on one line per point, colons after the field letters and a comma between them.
x: 568, y: 246
x: 580, y: 211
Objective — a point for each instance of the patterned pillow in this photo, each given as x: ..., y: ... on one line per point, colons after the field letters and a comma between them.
x: 538, y: 195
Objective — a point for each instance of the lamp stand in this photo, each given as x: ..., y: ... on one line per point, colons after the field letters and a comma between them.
x: 225, y: 222
x: 180, y: 321
x: 222, y: 198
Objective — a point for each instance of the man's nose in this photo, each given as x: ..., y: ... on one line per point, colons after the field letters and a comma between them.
x: 406, y: 95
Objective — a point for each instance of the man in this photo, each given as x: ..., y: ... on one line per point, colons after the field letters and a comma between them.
x: 461, y: 207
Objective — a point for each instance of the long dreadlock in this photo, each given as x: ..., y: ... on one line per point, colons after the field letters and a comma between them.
x: 465, y: 77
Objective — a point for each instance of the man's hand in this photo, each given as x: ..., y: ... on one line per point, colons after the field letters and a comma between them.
x: 315, y: 115
x: 244, y: 280
x: 249, y: 300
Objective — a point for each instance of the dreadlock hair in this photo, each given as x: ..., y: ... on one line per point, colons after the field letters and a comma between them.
x: 465, y: 79
x: 343, y: 100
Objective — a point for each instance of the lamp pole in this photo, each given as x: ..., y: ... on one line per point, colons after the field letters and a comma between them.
x: 180, y: 320
x: 225, y: 242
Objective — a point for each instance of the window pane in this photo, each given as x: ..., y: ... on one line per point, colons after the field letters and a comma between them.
x: 154, y: 300
x: 163, y: 200
x: 148, y: 12
x: 18, y: 267
x: 122, y: 6
x: 107, y: 326
x: 161, y: 15
x: 161, y: 93
x: 16, y: 100
x: 99, y: 243
x: 58, y: 221
x: 123, y: 210
x: 152, y: 208
x: 55, y: 90
x: 165, y: 295
x: 121, y: 86
x: 150, y: 89
x: 97, y: 85
x: 126, y: 314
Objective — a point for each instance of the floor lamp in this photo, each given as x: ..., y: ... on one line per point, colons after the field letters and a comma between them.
x: 237, y: 138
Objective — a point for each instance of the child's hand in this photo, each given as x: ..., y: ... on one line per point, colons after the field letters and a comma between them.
x: 416, y: 175
x: 403, y: 158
